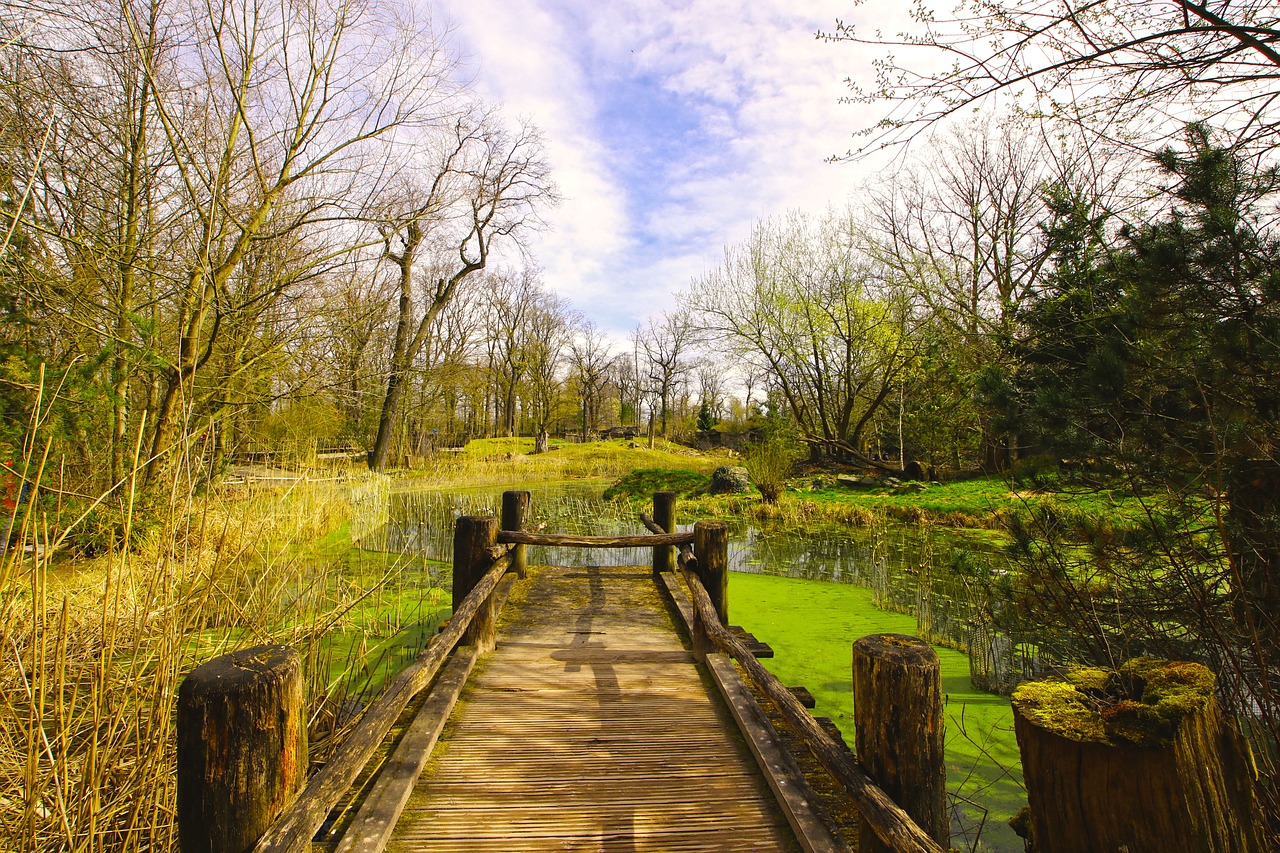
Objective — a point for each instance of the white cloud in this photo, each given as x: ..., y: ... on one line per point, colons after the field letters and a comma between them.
x: 672, y: 126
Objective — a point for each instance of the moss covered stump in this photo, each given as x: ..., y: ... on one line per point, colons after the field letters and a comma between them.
x: 1139, y: 759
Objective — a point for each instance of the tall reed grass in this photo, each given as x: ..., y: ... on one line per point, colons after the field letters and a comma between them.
x: 92, y: 650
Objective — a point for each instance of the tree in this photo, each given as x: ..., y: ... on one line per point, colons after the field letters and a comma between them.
x: 665, y: 342
x: 805, y: 300
x: 961, y: 229
x: 487, y: 186
x: 1123, y: 70
x: 591, y: 360
x: 1156, y: 364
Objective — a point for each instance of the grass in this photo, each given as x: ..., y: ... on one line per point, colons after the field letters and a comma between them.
x: 92, y: 650
x: 812, y: 625
x: 504, y: 461
x: 644, y: 482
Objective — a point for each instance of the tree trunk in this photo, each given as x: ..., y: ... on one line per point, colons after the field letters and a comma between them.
x: 1136, y: 760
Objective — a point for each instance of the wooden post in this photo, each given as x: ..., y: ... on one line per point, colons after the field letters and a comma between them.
x: 711, y: 547
x: 242, y: 748
x: 515, y: 506
x: 899, y: 727
x: 1139, y: 759
x: 664, y: 515
x: 473, y: 536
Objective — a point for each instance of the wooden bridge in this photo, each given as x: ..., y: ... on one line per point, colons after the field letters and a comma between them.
x: 566, y: 708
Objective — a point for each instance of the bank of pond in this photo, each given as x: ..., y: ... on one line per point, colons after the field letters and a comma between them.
x: 807, y: 591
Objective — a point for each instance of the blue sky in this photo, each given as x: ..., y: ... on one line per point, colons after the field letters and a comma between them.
x: 671, y: 127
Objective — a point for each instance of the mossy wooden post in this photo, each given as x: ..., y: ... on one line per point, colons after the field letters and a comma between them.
x: 899, y: 725
x: 711, y: 547
x: 242, y: 747
x: 515, y: 506
x: 1139, y: 759
x: 473, y: 536
x: 664, y: 515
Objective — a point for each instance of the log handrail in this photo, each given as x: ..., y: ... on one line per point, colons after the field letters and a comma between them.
x: 293, y: 830
x: 889, y: 822
x: 645, y: 540
x: 653, y: 526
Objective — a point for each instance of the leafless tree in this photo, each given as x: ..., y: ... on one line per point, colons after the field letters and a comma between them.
x: 591, y: 360
x: 1127, y: 71
x: 488, y: 186
x: 665, y: 342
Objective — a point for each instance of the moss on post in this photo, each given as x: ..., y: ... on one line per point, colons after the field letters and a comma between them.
x: 1138, y: 757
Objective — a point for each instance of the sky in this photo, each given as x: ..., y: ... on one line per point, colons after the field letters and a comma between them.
x: 671, y: 127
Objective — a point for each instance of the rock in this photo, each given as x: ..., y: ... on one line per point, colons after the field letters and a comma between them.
x: 729, y: 480
x: 869, y: 481
x: 913, y: 471
x: 847, y: 481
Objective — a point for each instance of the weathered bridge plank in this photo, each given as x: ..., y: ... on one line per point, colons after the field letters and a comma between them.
x: 591, y: 729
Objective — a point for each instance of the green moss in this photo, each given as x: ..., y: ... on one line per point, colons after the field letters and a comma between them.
x: 642, y: 483
x: 1140, y: 705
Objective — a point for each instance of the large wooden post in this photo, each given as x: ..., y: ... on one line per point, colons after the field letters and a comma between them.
x: 664, y: 515
x: 1139, y: 759
x: 515, y: 506
x: 711, y: 547
x: 242, y: 748
x: 473, y: 536
x: 899, y: 728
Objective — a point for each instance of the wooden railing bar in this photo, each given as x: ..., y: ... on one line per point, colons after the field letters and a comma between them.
x: 653, y: 526
x: 646, y: 540
x: 889, y: 822
x: 293, y: 830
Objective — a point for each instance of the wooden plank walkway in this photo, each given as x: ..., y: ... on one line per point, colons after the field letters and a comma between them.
x: 590, y: 728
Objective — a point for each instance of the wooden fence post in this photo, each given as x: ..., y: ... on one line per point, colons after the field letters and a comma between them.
x: 711, y: 547
x: 473, y: 536
x: 242, y: 748
x: 515, y: 506
x: 664, y: 515
x: 899, y: 723
x: 1140, y: 759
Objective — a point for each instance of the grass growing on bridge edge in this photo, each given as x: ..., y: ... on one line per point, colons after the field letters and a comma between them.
x: 811, y: 626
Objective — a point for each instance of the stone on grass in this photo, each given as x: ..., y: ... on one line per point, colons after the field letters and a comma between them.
x: 729, y: 480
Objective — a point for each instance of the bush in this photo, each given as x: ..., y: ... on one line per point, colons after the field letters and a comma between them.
x: 769, y: 462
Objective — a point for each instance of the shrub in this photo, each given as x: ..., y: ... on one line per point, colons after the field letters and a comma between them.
x: 769, y: 462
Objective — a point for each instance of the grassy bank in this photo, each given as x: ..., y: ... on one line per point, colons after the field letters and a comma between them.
x: 506, y: 461
x: 812, y: 625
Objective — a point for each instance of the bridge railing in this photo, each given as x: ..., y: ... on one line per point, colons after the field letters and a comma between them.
x: 223, y: 809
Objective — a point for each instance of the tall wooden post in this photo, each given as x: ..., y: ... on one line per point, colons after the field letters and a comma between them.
x: 473, y: 536
x: 897, y: 712
x: 711, y: 547
x: 242, y: 748
x: 1141, y: 759
x: 515, y: 506
x: 664, y: 515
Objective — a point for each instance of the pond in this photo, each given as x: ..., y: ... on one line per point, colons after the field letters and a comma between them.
x: 816, y: 590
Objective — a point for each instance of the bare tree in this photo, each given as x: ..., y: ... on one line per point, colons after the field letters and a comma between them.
x: 591, y: 360
x: 813, y: 306
x: 1128, y: 71
x: 488, y: 186
x: 665, y: 342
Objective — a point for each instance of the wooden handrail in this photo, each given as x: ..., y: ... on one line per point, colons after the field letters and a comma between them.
x: 645, y: 540
x: 653, y: 526
x: 293, y: 830
x: 885, y: 817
